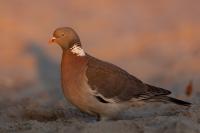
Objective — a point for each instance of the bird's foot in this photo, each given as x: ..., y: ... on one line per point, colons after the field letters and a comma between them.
x: 103, y: 118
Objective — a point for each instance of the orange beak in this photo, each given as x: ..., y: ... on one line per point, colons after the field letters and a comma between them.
x: 52, y: 40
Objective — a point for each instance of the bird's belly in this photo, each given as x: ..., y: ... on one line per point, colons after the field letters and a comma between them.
x: 79, y: 97
x: 88, y: 103
x: 77, y: 91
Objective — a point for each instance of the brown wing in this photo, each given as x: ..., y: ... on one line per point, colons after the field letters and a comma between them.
x: 112, y: 82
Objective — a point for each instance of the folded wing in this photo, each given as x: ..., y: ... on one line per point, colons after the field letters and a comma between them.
x: 112, y: 84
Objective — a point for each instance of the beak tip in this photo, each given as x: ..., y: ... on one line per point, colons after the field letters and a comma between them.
x: 52, y: 40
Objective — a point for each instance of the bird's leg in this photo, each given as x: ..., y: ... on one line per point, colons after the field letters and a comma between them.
x: 102, y: 118
x: 98, y: 117
x: 105, y: 119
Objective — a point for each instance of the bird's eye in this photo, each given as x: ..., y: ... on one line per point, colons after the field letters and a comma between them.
x: 62, y: 34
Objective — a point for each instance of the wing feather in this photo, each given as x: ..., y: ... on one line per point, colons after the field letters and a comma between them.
x: 113, y: 84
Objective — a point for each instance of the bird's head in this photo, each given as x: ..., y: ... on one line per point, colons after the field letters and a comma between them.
x: 66, y: 37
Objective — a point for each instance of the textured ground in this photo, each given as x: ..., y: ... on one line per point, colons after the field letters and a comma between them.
x: 157, y: 41
x: 31, y: 116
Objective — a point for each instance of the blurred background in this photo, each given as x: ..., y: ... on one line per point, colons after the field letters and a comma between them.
x: 157, y: 41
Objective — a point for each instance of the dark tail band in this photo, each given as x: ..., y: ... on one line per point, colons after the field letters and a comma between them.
x: 177, y: 101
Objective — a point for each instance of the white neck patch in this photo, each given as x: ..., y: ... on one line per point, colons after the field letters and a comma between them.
x: 77, y: 50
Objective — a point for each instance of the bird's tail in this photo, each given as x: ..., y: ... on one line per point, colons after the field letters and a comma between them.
x: 176, y: 101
